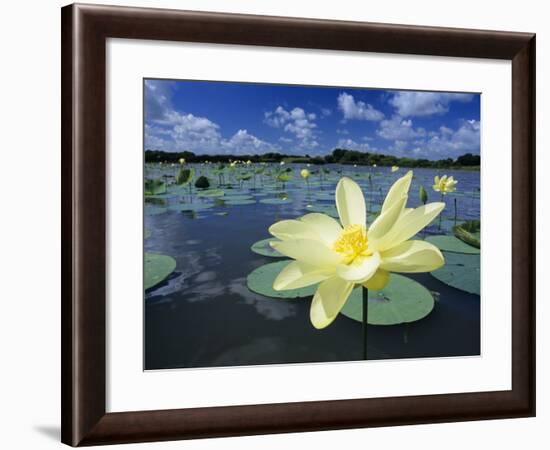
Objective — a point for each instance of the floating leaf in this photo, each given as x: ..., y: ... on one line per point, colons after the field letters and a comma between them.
x: 261, y: 280
x: 236, y: 197
x: 460, y: 271
x: 154, y: 187
x: 233, y: 202
x: 324, y: 196
x: 191, y: 206
x: 155, y: 210
x: 157, y: 269
x: 284, y: 177
x: 329, y: 210
x: 452, y: 244
x: 263, y: 248
x: 211, y: 193
x: 403, y: 300
x: 275, y: 201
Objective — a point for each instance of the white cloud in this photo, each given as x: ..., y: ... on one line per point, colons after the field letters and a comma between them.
x: 425, y: 103
x: 350, y: 144
x: 325, y: 112
x: 441, y: 144
x: 357, y: 110
x: 455, y: 143
x: 277, y: 118
x: 242, y: 142
x: 398, y: 128
x: 297, y: 122
x: 171, y: 130
x: 178, y: 132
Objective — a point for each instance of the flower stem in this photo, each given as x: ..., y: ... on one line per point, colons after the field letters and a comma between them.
x: 365, y: 319
x: 440, y: 214
x: 455, y: 210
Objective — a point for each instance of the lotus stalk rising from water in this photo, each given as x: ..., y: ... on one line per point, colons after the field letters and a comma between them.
x: 340, y: 256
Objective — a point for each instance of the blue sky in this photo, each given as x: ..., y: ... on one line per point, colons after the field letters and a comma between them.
x: 242, y: 118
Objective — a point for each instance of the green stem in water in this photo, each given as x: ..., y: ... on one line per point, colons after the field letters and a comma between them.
x: 365, y: 319
x: 440, y: 214
x: 455, y: 210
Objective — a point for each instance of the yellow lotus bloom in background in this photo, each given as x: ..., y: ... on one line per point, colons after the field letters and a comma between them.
x: 374, y: 165
x: 394, y: 168
x: 342, y: 255
x: 248, y: 162
x: 305, y: 174
x: 182, y: 161
x: 444, y: 185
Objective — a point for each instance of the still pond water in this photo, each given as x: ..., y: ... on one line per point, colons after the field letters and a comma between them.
x: 204, y: 315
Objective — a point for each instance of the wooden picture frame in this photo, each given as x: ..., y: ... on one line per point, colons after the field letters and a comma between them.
x: 85, y: 29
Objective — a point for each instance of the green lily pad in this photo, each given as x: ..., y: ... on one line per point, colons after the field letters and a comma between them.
x: 452, y: 244
x: 323, y: 195
x: 180, y: 191
x: 157, y: 269
x: 166, y: 196
x: 275, y: 201
x: 460, y: 271
x: 239, y: 202
x: 328, y: 210
x: 236, y: 198
x: 211, y: 193
x: 263, y: 248
x: 154, y: 187
x: 191, y: 206
x: 261, y: 281
x: 155, y: 210
x: 403, y: 300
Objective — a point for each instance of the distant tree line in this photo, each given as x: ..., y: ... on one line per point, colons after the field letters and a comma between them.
x: 344, y: 156
x: 338, y: 155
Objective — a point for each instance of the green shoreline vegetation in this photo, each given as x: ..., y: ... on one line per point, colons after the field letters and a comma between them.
x: 468, y: 161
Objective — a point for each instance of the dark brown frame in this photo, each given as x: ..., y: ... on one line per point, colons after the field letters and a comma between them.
x: 85, y: 29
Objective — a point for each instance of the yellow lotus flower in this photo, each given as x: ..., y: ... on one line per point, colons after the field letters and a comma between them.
x: 248, y: 162
x: 374, y: 165
x: 305, y: 174
x: 182, y: 161
x: 282, y: 163
x: 444, y: 185
x: 233, y: 164
x: 394, y: 168
x: 342, y: 255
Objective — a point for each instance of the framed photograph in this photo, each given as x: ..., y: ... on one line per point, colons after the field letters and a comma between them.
x: 278, y: 224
